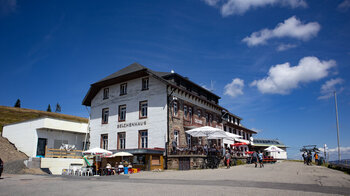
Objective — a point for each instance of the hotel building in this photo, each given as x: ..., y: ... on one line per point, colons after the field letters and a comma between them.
x: 146, y: 113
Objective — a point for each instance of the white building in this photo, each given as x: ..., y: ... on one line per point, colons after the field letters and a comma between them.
x: 33, y: 136
x: 145, y: 112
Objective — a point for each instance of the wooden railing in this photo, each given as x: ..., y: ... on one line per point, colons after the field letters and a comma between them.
x: 61, y: 153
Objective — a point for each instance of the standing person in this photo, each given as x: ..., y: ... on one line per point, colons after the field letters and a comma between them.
x: 261, y: 159
x: 316, y: 158
x: 304, y: 157
x: 1, y: 167
x: 255, y: 158
x: 228, y: 158
x: 309, y: 158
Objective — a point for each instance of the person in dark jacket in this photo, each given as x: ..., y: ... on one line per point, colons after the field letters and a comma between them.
x: 1, y: 167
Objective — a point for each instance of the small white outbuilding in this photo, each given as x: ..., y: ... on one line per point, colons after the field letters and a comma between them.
x: 33, y: 136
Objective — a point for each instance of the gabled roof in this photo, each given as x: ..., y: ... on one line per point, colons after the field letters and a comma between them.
x: 134, y: 67
x: 268, y: 142
x: 134, y: 70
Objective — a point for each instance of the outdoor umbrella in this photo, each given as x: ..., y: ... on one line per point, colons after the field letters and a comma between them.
x: 239, y: 144
x: 97, y: 151
x: 231, y: 136
x: 206, y: 131
x: 122, y: 154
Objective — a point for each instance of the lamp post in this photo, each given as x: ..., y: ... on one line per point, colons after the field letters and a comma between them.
x: 336, y: 113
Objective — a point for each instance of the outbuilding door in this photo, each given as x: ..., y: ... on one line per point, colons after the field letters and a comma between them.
x: 184, y: 163
x: 40, y: 151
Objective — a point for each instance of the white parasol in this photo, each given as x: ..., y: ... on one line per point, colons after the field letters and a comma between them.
x: 97, y: 151
x: 206, y: 131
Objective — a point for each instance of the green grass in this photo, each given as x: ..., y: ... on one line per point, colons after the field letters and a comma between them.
x: 9, y: 115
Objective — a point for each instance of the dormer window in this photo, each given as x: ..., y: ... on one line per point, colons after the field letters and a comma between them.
x: 105, y: 93
x: 123, y: 89
x: 145, y: 82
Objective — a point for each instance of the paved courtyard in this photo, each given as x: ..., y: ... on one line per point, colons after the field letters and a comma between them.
x: 286, y: 178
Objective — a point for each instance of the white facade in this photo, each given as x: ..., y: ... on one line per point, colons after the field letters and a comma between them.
x: 155, y: 123
x: 25, y: 135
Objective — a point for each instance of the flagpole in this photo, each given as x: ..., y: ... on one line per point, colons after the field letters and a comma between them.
x: 336, y: 113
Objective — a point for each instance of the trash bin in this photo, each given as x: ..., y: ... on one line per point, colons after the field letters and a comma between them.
x: 126, y: 169
x: 320, y: 161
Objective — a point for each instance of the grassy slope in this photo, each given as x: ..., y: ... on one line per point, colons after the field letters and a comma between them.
x: 10, y: 115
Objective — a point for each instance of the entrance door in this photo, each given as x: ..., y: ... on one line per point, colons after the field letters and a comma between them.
x: 184, y: 163
x: 40, y: 151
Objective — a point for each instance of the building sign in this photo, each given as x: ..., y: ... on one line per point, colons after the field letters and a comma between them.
x: 132, y: 124
x: 198, y: 121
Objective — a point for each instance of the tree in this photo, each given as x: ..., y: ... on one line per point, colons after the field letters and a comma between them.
x: 18, y: 103
x: 58, y: 108
x: 48, y: 108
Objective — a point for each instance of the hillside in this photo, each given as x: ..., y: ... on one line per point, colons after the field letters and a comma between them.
x: 10, y: 115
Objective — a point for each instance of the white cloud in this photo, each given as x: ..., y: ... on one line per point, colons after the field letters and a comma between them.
x: 282, y: 78
x: 344, y: 6
x: 345, y: 150
x: 257, y: 130
x: 292, y: 28
x: 232, y: 7
x: 211, y: 2
x: 234, y: 88
x: 329, y: 87
x: 283, y: 47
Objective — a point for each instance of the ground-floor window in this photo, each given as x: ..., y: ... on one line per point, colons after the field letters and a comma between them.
x: 155, y: 160
x: 139, y: 160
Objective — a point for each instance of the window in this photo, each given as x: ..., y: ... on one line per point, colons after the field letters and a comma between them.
x: 104, y: 141
x: 210, y: 118
x: 175, y: 108
x: 143, y: 109
x: 143, y: 139
x: 155, y: 160
x: 224, y: 128
x: 123, y: 89
x: 199, y: 113
x: 185, y: 112
x: 188, y: 138
x: 176, y: 137
x: 105, y: 114
x: 145, y: 82
x: 190, y: 113
x: 122, y: 113
x: 230, y: 130
x: 105, y: 93
x: 121, y: 140
x: 207, y: 118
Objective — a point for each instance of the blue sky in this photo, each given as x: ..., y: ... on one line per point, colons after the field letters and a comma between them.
x: 273, y: 62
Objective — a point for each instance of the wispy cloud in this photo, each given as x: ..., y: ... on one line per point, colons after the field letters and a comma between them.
x: 8, y: 6
x: 344, y: 6
x: 239, y: 7
x: 291, y: 27
x: 234, y: 88
x: 329, y: 87
x: 257, y: 130
x: 283, y: 47
x: 211, y: 2
x: 283, y: 78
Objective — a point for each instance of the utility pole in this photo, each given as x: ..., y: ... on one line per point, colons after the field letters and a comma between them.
x: 336, y: 113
